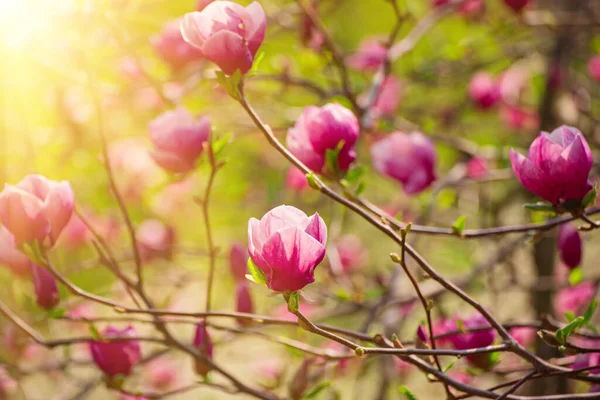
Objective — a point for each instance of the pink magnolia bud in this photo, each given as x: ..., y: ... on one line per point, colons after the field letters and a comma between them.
x: 409, y: 159
x: 557, y: 166
x: 178, y: 139
x: 46, y: 289
x: 370, y: 56
x: 238, y: 262
x: 243, y: 302
x: 287, y: 246
x: 594, y: 68
x: 516, y: 5
x: 570, y: 245
x: 477, y: 168
x: 422, y: 334
x: 484, y: 90
x: 296, y: 180
x: 472, y: 340
x: 575, y: 298
x: 519, y: 118
x: 116, y: 357
x: 36, y: 208
x: 310, y: 36
x: 443, y: 326
x: 155, y: 239
x: 227, y: 33
x: 321, y: 129
x: 525, y: 336
x: 352, y: 253
x: 389, y: 97
x: 172, y: 48
x: 204, y: 343
x: 16, y: 261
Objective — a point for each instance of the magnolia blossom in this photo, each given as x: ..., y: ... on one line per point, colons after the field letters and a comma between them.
x: 351, y: 252
x: 203, y: 342
x: 238, y: 262
x: 409, y: 159
x: 388, y: 98
x: 371, y: 55
x: 475, y: 339
x: 287, y: 245
x: 155, y: 239
x: 557, y: 166
x: 569, y: 245
x: 178, y: 139
x: 575, y: 298
x: 116, y: 357
x: 227, y: 33
x: 173, y: 49
x: 484, y: 90
x: 10, y: 256
x: 519, y: 117
x: 296, y: 179
x: 594, y: 68
x: 36, y: 209
x: 525, y: 336
x: 477, y: 168
x: 323, y: 129
x: 46, y: 288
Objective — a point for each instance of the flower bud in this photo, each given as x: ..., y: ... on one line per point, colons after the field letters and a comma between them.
x: 557, y: 166
x: 388, y: 98
x: 473, y: 340
x: 310, y: 36
x: 575, y: 298
x: 238, y: 262
x: 204, y: 343
x: 516, y: 5
x: 287, y: 245
x: 484, y: 90
x: 46, y: 289
x: 519, y: 118
x: 116, y: 357
x: 173, y: 49
x: 296, y: 180
x: 178, y: 139
x: 370, y: 56
x: 16, y: 261
x: 243, y: 302
x: 202, y: 4
x: 226, y: 33
x: 594, y: 68
x: 410, y: 159
x: 525, y: 336
x: 477, y: 168
x: 155, y: 239
x: 570, y: 245
x: 36, y: 208
x: 321, y: 129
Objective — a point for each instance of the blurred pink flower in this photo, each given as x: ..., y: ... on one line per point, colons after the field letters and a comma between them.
x: 575, y: 298
x: 371, y: 55
x: 133, y: 168
x: 477, y: 168
x: 243, y: 302
x: 352, y: 253
x: 75, y: 234
x: 204, y: 343
x: 155, y: 239
x: 519, y: 118
x: 45, y: 286
x: 36, y: 209
x: 12, y: 258
x: 178, y: 139
x: 287, y: 245
x: 320, y: 129
x: 238, y: 262
x: 116, y: 357
x: 7, y: 384
x: 484, y: 90
x: 130, y: 68
x: 410, y: 159
x: 402, y: 367
x: 388, y: 99
x: 295, y: 179
x: 172, y: 48
x: 162, y: 373
x: 174, y: 198
x: 282, y: 311
x: 594, y: 68
x: 227, y: 33
x: 523, y: 335
x: 309, y: 35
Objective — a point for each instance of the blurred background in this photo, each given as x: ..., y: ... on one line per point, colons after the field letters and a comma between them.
x: 70, y: 68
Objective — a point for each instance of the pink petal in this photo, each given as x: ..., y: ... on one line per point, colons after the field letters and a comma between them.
x: 256, y: 34
x: 229, y: 51
x: 317, y: 229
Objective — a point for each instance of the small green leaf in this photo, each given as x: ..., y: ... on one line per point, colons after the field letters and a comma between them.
x: 317, y: 389
x: 256, y: 64
x: 293, y: 302
x: 331, y: 161
x: 450, y: 365
x: 360, y: 189
x: 590, y: 197
x: 407, y: 393
x: 569, y: 316
x: 494, y: 358
x: 219, y: 144
x: 460, y: 325
x: 94, y: 332
x: 459, y: 225
x: 562, y: 334
x: 575, y: 276
x: 312, y: 181
x: 355, y: 174
x: 257, y: 275
x: 590, y: 311
x: 231, y: 83
x: 56, y: 313
x: 538, y: 206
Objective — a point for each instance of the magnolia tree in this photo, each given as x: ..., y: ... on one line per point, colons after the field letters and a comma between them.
x: 402, y: 214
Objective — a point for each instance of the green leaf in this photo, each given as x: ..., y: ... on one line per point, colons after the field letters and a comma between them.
x: 312, y: 181
x: 256, y: 64
x: 231, y: 83
x: 360, y: 189
x: 56, y: 313
x: 94, y: 332
x: 450, y: 365
x: 494, y: 358
x: 407, y: 393
x: 459, y: 225
x: 331, y: 160
x: 590, y: 311
x: 590, y: 197
x: 255, y: 273
x: 460, y: 325
x: 569, y: 316
x: 538, y: 206
x: 562, y: 334
x: 317, y: 389
x: 293, y: 302
x: 355, y: 174
x: 575, y: 276
x: 219, y: 144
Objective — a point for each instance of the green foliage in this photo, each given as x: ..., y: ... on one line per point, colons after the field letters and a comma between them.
x: 407, y: 393
x: 256, y: 275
